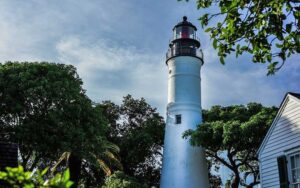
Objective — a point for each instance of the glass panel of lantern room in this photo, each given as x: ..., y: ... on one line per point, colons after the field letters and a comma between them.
x: 177, y: 32
x: 192, y: 33
x: 174, y: 34
x: 185, y: 32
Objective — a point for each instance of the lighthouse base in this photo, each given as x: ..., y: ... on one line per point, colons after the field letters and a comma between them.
x: 184, y: 166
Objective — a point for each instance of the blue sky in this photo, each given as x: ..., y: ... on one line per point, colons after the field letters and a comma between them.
x: 119, y: 48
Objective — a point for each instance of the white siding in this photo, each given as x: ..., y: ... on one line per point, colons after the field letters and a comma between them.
x: 285, y: 135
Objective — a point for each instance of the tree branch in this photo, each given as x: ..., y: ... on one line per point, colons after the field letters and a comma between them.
x: 219, y: 159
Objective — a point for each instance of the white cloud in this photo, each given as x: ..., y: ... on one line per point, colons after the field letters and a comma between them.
x: 118, y: 48
x: 112, y: 72
x: 225, y: 87
x: 240, y: 81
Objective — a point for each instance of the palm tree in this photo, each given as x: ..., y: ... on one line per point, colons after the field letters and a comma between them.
x: 106, y: 160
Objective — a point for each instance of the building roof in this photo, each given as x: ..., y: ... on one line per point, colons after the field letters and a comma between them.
x: 297, y: 95
x: 286, y: 98
x: 185, y: 23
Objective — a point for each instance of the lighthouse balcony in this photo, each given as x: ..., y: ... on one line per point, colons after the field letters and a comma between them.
x: 184, y: 51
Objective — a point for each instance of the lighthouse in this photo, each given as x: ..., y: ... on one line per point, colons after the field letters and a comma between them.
x: 184, y: 166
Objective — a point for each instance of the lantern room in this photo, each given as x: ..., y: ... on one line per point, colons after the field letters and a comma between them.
x: 184, y: 29
x: 184, y: 41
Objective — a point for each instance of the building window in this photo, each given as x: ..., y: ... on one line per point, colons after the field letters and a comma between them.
x: 289, y: 169
x: 295, y: 170
x: 283, y: 172
x: 178, y: 119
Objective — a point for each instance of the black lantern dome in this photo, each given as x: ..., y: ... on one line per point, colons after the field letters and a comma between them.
x: 184, y: 41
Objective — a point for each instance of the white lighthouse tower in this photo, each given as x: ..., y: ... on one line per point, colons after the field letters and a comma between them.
x: 184, y: 166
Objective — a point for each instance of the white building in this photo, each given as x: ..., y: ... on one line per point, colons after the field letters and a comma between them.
x: 279, y: 153
x: 184, y: 166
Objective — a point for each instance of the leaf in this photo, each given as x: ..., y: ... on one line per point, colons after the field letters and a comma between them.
x: 66, y: 175
x: 269, y: 57
x: 272, y: 68
x: 278, y: 45
x: 215, y: 43
x: 204, y: 20
x: 44, y: 171
x: 288, y: 27
x: 208, y: 29
x: 222, y: 60
x: 69, y: 184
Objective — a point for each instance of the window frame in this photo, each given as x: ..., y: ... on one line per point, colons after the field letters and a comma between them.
x: 290, y: 169
x: 178, y: 117
x: 289, y: 154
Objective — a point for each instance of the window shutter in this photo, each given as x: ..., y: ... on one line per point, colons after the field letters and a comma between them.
x: 283, y: 173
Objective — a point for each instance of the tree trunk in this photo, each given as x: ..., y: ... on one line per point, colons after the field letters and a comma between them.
x: 74, y: 165
x: 235, y: 182
x: 251, y: 185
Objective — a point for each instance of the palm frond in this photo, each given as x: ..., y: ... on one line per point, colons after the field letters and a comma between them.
x: 104, y: 167
x: 114, y: 159
x: 111, y: 146
x: 64, y: 157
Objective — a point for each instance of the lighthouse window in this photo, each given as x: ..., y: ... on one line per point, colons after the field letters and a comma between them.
x: 178, y: 119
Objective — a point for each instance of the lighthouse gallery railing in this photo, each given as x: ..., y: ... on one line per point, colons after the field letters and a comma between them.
x: 184, y: 51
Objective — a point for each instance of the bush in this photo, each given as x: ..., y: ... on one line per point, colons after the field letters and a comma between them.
x: 17, y: 177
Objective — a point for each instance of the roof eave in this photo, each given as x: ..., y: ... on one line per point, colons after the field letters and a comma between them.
x: 281, y: 107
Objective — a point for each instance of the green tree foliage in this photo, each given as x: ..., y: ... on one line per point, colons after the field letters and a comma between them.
x: 120, y: 180
x: 138, y: 130
x: 267, y: 29
x: 17, y: 177
x: 232, y: 136
x: 46, y: 111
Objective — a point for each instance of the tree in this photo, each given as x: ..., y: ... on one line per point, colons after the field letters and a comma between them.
x: 46, y: 111
x: 138, y: 130
x: 231, y: 136
x: 120, y: 180
x: 266, y: 29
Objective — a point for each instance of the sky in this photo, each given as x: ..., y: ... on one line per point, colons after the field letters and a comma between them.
x: 118, y: 48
